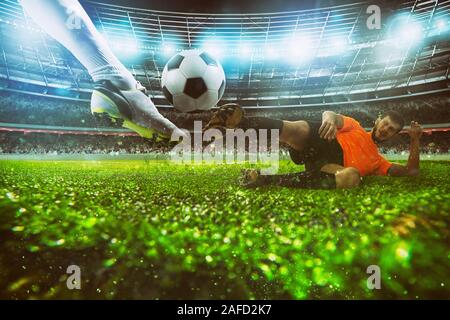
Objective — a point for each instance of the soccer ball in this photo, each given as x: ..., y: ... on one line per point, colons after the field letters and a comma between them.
x: 193, y: 80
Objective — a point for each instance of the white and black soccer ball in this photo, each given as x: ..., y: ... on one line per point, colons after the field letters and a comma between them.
x: 193, y: 80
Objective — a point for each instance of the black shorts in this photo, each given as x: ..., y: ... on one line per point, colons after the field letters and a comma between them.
x: 317, y: 152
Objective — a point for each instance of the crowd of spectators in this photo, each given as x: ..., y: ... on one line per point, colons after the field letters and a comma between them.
x: 45, y: 143
x: 426, y: 110
x: 32, y: 109
x: 40, y: 110
x: 430, y: 143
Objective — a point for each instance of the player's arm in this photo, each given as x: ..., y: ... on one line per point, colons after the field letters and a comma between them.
x: 412, y: 167
x: 331, y: 123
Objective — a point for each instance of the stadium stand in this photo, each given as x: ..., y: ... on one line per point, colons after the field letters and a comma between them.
x: 41, y: 110
x: 43, y: 89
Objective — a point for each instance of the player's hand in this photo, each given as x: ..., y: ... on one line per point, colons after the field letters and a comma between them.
x: 415, y: 131
x: 328, y: 129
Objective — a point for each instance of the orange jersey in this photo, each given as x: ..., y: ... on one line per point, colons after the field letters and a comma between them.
x: 359, y: 150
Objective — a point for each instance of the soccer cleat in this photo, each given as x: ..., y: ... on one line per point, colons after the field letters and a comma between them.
x: 250, y: 178
x: 227, y: 116
x: 133, y: 106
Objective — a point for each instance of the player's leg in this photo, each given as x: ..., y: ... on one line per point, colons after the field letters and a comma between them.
x: 116, y: 91
x: 304, y: 179
x: 324, y: 167
x: 346, y: 177
x: 293, y: 133
x: 331, y: 176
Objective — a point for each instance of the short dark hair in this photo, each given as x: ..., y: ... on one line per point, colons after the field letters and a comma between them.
x: 396, y: 117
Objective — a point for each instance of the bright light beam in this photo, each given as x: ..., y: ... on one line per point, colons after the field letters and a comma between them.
x: 245, y: 51
x: 405, y: 33
x: 300, y: 49
x: 271, y: 53
x: 168, y: 49
x: 214, y: 48
x: 441, y: 25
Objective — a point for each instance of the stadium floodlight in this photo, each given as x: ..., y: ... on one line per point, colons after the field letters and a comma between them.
x: 123, y: 44
x: 214, y: 50
x: 168, y: 49
x: 214, y: 47
x: 245, y: 51
x: 299, y: 49
x: 339, y: 44
x: 410, y: 33
x: 130, y: 47
x: 124, y: 47
x: 271, y: 53
x: 405, y: 31
x: 333, y: 46
x: 441, y: 25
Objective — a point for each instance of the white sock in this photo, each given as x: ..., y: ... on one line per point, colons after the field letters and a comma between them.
x: 69, y: 24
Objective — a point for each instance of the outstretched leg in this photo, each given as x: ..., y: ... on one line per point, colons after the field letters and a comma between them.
x: 116, y: 91
x: 331, y: 176
x: 295, y: 134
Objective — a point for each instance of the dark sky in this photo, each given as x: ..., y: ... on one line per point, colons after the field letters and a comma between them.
x: 228, y: 6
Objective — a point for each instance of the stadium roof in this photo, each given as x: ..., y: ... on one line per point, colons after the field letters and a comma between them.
x: 282, y: 56
x: 228, y: 6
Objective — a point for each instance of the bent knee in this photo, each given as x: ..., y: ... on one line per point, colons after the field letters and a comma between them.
x: 348, y: 178
x: 295, y: 133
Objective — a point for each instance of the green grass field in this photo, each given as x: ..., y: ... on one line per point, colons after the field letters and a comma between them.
x: 148, y: 230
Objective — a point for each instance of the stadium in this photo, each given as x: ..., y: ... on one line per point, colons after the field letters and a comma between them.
x: 85, y: 190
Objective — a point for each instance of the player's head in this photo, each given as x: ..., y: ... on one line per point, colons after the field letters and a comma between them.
x: 388, y: 125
